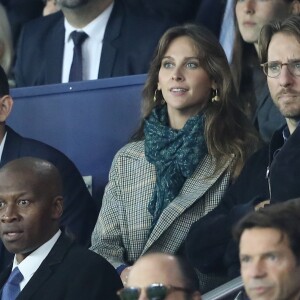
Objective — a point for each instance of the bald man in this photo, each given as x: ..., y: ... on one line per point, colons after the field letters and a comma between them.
x: 47, y: 264
x: 161, y: 276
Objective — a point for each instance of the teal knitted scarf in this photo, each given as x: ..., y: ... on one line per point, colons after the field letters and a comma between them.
x: 175, y: 154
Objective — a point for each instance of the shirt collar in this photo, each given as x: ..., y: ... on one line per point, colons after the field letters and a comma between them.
x: 286, y: 132
x: 31, y: 263
x: 94, y: 29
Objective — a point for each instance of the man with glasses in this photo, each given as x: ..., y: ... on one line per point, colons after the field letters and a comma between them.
x: 159, y: 276
x: 271, y: 269
x: 272, y: 174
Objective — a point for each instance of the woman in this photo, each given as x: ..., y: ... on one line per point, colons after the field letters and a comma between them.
x: 249, y: 79
x: 193, y: 141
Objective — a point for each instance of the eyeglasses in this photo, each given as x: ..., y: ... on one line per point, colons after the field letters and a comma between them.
x: 155, y: 291
x: 273, y: 68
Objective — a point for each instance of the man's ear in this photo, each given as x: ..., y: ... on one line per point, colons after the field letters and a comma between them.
x: 6, y: 104
x: 57, y: 207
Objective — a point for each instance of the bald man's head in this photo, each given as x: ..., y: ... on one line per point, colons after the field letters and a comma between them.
x: 168, y: 270
x: 43, y: 175
x: 31, y: 204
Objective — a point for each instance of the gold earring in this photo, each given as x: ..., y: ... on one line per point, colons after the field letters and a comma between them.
x: 154, y: 97
x: 216, y: 97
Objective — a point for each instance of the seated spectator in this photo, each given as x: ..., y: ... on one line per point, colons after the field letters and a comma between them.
x: 111, y: 37
x: 271, y: 175
x: 271, y: 269
x: 6, y: 47
x: 161, y: 276
x: 50, y: 7
x: 80, y: 212
x: 47, y: 264
x: 250, y: 81
x: 191, y: 145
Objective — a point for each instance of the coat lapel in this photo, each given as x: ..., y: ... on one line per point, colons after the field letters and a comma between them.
x: 109, y: 48
x: 55, y: 49
x: 194, y: 188
x: 3, y: 277
x: 12, y: 146
x: 47, y: 268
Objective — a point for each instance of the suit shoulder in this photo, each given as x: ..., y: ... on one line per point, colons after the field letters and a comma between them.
x: 33, y: 146
x: 41, y: 27
x: 87, y: 259
x: 44, y: 22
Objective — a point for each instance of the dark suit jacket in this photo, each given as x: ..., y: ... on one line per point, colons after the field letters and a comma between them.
x: 217, y: 252
x: 129, y: 41
x: 70, y: 272
x: 80, y: 212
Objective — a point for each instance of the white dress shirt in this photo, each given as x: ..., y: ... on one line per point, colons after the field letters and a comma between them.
x: 2, y: 145
x: 31, y: 263
x: 227, y: 34
x: 91, y: 48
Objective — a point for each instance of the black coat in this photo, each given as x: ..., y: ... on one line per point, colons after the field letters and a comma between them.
x: 209, y: 244
x: 80, y: 210
x: 130, y: 38
x: 70, y: 272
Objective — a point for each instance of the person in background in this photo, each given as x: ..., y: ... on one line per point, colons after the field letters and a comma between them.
x: 253, y: 93
x: 271, y: 269
x: 161, y: 276
x: 47, y: 264
x: 192, y: 143
x: 271, y: 175
x: 6, y: 45
x: 85, y: 40
x: 80, y: 210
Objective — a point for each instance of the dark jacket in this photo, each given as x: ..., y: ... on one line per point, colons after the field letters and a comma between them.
x: 80, y: 211
x: 209, y: 244
x: 267, y: 117
x: 129, y: 41
x: 70, y: 272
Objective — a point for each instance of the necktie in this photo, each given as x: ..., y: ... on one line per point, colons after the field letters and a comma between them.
x: 76, y: 67
x: 11, y: 288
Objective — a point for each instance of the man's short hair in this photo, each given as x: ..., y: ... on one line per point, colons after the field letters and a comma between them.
x: 4, y: 87
x: 285, y: 217
x: 289, y: 26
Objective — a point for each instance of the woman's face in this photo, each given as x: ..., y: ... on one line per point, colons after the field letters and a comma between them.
x: 185, y: 85
x: 252, y: 15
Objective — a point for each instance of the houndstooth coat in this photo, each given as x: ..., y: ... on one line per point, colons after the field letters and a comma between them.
x: 121, y: 234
